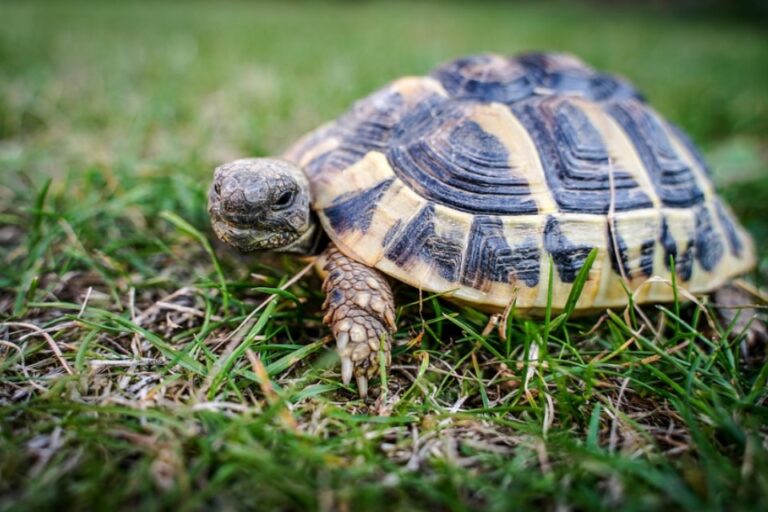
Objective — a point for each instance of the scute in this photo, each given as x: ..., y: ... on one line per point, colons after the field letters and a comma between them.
x: 673, y: 177
x: 709, y: 243
x: 449, y: 158
x: 355, y: 210
x: 486, y: 78
x: 731, y: 230
x: 470, y: 181
x: 568, y: 256
x: 420, y: 242
x: 510, y: 80
x: 578, y: 167
x: 489, y: 258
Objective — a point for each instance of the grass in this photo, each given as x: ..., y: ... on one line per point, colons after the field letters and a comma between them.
x: 141, y: 366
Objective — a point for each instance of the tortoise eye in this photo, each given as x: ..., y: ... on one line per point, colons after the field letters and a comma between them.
x: 284, y: 201
x: 217, y: 188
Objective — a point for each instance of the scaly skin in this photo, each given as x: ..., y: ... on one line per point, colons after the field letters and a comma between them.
x: 360, y: 310
x: 262, y: 204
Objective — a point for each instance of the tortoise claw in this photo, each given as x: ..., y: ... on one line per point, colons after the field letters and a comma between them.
x: 362, y: 385
x: 342, y: 339
x: 346, y: 369
x: 361, y: 312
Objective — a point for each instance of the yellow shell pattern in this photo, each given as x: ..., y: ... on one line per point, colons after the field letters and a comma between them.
x: 480, y: 180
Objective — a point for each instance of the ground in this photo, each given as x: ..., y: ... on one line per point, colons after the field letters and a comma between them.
x: 143, y: 365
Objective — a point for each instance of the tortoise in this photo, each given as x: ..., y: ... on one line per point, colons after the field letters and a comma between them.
x: 483, y: 182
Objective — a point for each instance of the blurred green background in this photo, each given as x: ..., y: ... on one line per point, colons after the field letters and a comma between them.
x: 176, y: 87
x: 126, y: 107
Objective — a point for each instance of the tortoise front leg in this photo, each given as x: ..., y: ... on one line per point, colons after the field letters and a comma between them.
x: 360, y: 310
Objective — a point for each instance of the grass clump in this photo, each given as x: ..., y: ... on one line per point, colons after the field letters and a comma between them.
x: 142, y: 364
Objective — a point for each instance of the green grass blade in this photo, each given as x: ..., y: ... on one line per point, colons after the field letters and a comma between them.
x: 190, y: 230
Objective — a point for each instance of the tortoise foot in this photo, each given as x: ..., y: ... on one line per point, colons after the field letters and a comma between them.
x: 360, y: 310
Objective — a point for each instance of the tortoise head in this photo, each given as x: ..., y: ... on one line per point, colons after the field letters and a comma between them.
x: 263, y: 204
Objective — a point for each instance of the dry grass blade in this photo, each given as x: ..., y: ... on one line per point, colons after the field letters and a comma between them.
x: 657, y: 357
x: 48, y: 338
x: 270, y: 394
x: 245, y: 324
x: 24, y: 370
x: 182, y: 400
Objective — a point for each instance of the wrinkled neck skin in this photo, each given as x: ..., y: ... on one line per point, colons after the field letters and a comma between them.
x: 311, y: 243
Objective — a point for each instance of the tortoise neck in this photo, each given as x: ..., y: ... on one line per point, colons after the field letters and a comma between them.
x: 311, y: 242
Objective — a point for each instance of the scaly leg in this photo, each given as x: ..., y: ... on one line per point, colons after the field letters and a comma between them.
x: 360, y: 310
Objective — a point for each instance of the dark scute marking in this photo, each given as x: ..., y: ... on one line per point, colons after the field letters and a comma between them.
x: 422, y: 118
x: 672, y: 178
x: 506, y: 80
x: 734, y: 241
x: 356, y: 211
x: 552, y: 72
x: 393, y: 229
x: 709, y: 246
x: 684, y: 264
x: 567, y: 257
x: 575, y: 160
x: 367, y: 126
x: 449, y: 159
x: 667, y: 242
x: 371, y: 122
x: 564, y: 76
x: 484, y: 78
x: 647, y: 250
x: 617, y: 250
x: 620, y: 263
x: 581, y: 138
x: 525, y: 262
x: 470, y: 133
x: 605, y: 87
x: 490, y: 258
x: 691, y: 147
x: 683, y: 261
x: 418, y: 241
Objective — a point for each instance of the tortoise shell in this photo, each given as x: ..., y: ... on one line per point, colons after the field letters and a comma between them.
x: 480, y: 180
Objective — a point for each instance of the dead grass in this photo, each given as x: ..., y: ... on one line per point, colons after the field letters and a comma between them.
x: 141, y: 366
